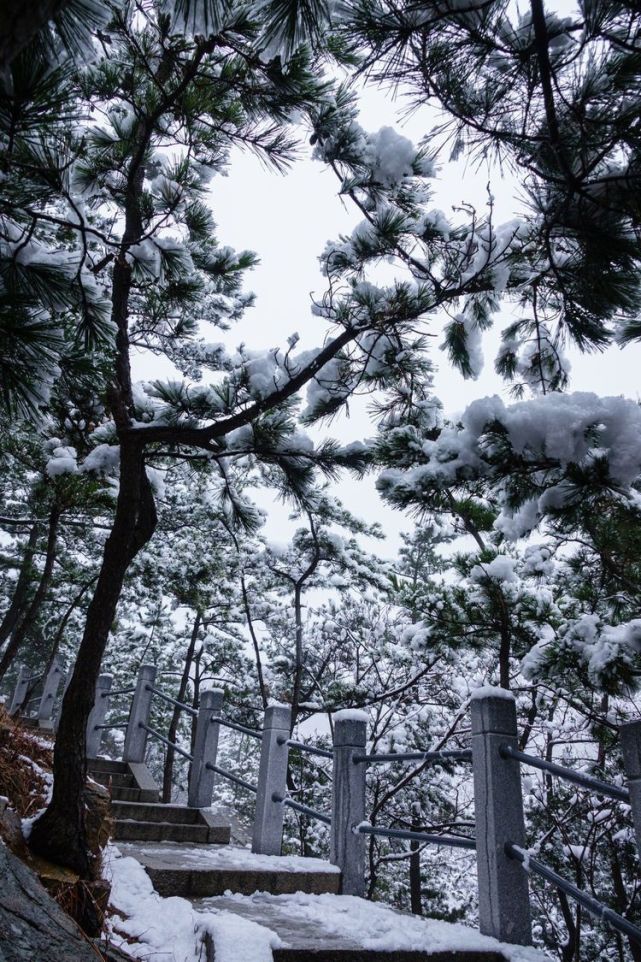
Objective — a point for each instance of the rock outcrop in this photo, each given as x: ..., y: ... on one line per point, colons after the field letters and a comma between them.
x: 33, y: 927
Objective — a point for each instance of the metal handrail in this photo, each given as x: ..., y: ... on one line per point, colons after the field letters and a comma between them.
x: 117, y: 691
x: 592, y: 905
x: 232, y: 778
x: 579, y: 778
x: 172, y: 701
x: 311, y: 749
x: 305, y: 809
x: 453, y: 841
x: 107, y: 727
x: 114, y: 723
x: 177, y: 748
x: 254, y: 733
x: 455, y: 754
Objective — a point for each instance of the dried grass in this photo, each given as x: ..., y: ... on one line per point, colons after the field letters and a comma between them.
x: 22, y: 752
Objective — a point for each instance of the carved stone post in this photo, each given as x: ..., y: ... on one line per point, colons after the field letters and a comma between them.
x: 504, y: 904
x: 19, y: 692
x: 630, y: 735
x: 348, y: 800
x: 136, y: 736
x: 58, y: 708
x: 98, y: 715
x: 272, y: 781
x: 201, y: 778
x: 48, y: 698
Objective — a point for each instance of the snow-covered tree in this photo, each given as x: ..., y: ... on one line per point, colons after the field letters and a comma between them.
x: 553, y: 97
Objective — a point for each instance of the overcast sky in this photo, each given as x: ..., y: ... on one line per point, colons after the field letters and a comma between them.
x: 288, y: 219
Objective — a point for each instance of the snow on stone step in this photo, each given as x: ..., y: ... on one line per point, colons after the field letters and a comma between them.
x: 340, y: 928
x: 284, y: 928
x: 214, y: 869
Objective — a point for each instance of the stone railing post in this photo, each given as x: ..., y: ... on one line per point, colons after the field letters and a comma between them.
x: 504, y: 903
x: 97, y: 715
x: 19, y: 692
x: 49, y: 692
x: 136, y: 735
x: 347, y: 849
x: 630, y: 735
x: 58, y: 708
x: 201, y: 778
x: 272, y: 781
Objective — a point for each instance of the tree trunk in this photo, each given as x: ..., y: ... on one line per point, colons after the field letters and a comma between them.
x: 21, y: 591
x: 28, y: 620
x: 168, y: 771
x: 415, y: 863
x: 59, y: 834
x: 298, y: 661
x: 195, y: 703
x: 53, y: 651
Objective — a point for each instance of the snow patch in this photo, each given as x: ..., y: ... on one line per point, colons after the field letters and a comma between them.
x: 378, y: 928
x: 490, y: 691
x: 351, y: 714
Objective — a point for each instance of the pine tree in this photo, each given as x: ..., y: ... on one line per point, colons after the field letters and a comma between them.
x: 556, y: 100
x: 165, y: 272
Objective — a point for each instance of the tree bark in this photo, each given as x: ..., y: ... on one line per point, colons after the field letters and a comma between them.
x: 415, y: 864
x: 175, y: 717
x: 28, y: 620
x: 59, y: 834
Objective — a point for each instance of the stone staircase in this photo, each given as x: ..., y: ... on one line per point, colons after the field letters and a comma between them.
x: 139, y: 816
x: 186, y: 851
x: 127, y: 781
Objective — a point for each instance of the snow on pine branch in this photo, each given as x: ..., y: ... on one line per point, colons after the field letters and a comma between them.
x: 558, y: 443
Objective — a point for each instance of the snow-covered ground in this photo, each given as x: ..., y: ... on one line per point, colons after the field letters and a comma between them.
x: 229, y: 857
x: 172, y: 930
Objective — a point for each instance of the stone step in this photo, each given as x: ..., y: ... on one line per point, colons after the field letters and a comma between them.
x: 129, y: 781
x: 162, y: 832
x: 28, y: 722
x: 133, y: 795
x: 107, y: 765
x: 321, y: 953
x: 214, y: 870
x: 148, y: 812
x: 115, y: 779
x: 330, y: 932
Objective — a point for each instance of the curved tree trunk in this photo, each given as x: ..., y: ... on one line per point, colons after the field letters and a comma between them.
x: 21, y: 591
x: 28, y: 620
x: 168, y: 771
x: 55, y: 647
x: 59, y: 834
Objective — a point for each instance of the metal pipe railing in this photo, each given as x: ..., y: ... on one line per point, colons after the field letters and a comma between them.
x: 171, y: 701
x: 252, y: 732
x: 461, y: 755
x: 304, y: 809
x: 117, y: 691
x: 592, y: 905
x: 310, y: 749
x: 177, y: 748
x: 453, y: 841
x: 578, y: 778
x: 232, y: 778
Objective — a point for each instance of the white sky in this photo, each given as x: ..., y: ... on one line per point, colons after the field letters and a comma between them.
x: 288, y: 219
